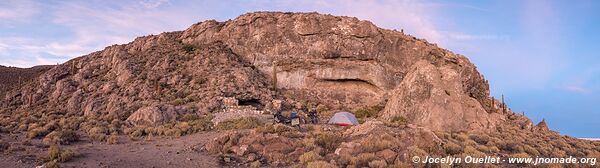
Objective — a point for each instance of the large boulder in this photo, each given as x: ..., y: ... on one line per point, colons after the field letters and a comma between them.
x: 152, y: 115
x: 433, y: 97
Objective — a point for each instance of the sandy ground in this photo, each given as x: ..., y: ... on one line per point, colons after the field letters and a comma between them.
x: 148, y: 152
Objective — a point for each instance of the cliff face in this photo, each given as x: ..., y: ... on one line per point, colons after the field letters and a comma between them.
x: 342, y: 61
x: 331, y: 60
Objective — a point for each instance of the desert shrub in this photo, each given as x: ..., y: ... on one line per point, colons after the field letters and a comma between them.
x: 63, y: 137
x: 471, y: 151
x: 320, y: 164
x: 273, y: 128
x: 52, y: 164
x: 531, y: 151
x: 519, y: 155
x: 66, y: 155
x: 188, y: 48
x: 452, y: 148
x: 241, y: 123
x: 480, y: 138
x: 493, y: 149
x: 378, y: 164
x: 483, y: 148
x: 309, y: 157
x: 3, y: 146
x: 174, y: 132
x: 416, y: 151
x: 53, y: 152
x: 366, y: 112
x: 37, y: 133
x: 178, y: 102
x: 189, y: 117
x: 377, y: 145
x: 112, y: 139
x: 397, y: 121
x: 363, y: 159
x: 460, y: 136
x: 328, y: 141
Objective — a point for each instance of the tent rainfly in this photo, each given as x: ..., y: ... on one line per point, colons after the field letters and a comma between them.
x: 343, y: 119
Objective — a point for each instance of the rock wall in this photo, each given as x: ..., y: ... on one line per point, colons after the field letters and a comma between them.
x: 332, y: 60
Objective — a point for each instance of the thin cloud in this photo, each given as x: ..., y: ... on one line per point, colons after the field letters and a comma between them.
x: 17, y: 9
x: 578, y: 89
x: 151, y: 4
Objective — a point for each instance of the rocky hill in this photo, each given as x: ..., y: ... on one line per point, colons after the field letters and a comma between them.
x: 11, y: 77
x: 173, y: 83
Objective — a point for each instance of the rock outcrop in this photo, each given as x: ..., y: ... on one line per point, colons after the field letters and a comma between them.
x: 343, y: 61
x: 332, y: 60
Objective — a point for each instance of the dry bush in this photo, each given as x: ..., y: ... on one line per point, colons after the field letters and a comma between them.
x: 397, y: 121
x: 52, y: 164
x: 53, y: 153
x: 66, y: 155
x: 363, y: 159
x: 452, y: 148
x: 273, y: 128
x: 241, y: 123
x: 416, y: 151
x: 189, y: 117
x: 4, y: 146
x: 480, y: 138
x: 328, y: 141
x: 320, y: 164
x: 377, y: 145
x: 366, y: 112
x: 112, y: 139
x: 471, y: 151
x: 63, y: 137
x: 378, y: 164
x: 531, y: 151
x: 460, y: 136
x: 309, y: 157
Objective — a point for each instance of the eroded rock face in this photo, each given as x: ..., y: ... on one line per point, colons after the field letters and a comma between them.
x: 343, y: 61
x: 433, y: 97
x: 335, y: 61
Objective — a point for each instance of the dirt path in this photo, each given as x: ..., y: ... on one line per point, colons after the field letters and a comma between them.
x: 148, y: 152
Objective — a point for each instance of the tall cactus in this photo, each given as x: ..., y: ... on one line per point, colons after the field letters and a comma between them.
x: 274, y: 74
x: 157, y: 87
x: 503, y: 105
x: 30, y: 101
x: 73, y: 68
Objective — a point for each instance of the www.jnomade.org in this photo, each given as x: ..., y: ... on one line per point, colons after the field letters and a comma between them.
x: 497, y: 160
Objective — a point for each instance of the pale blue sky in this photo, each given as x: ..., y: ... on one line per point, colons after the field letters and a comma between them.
x: 542, y: 55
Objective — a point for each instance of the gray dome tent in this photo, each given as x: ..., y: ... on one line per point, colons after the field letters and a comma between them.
x: 343, y: 119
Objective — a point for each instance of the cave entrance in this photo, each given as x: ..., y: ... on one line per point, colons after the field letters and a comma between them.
x: 251, y: 102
